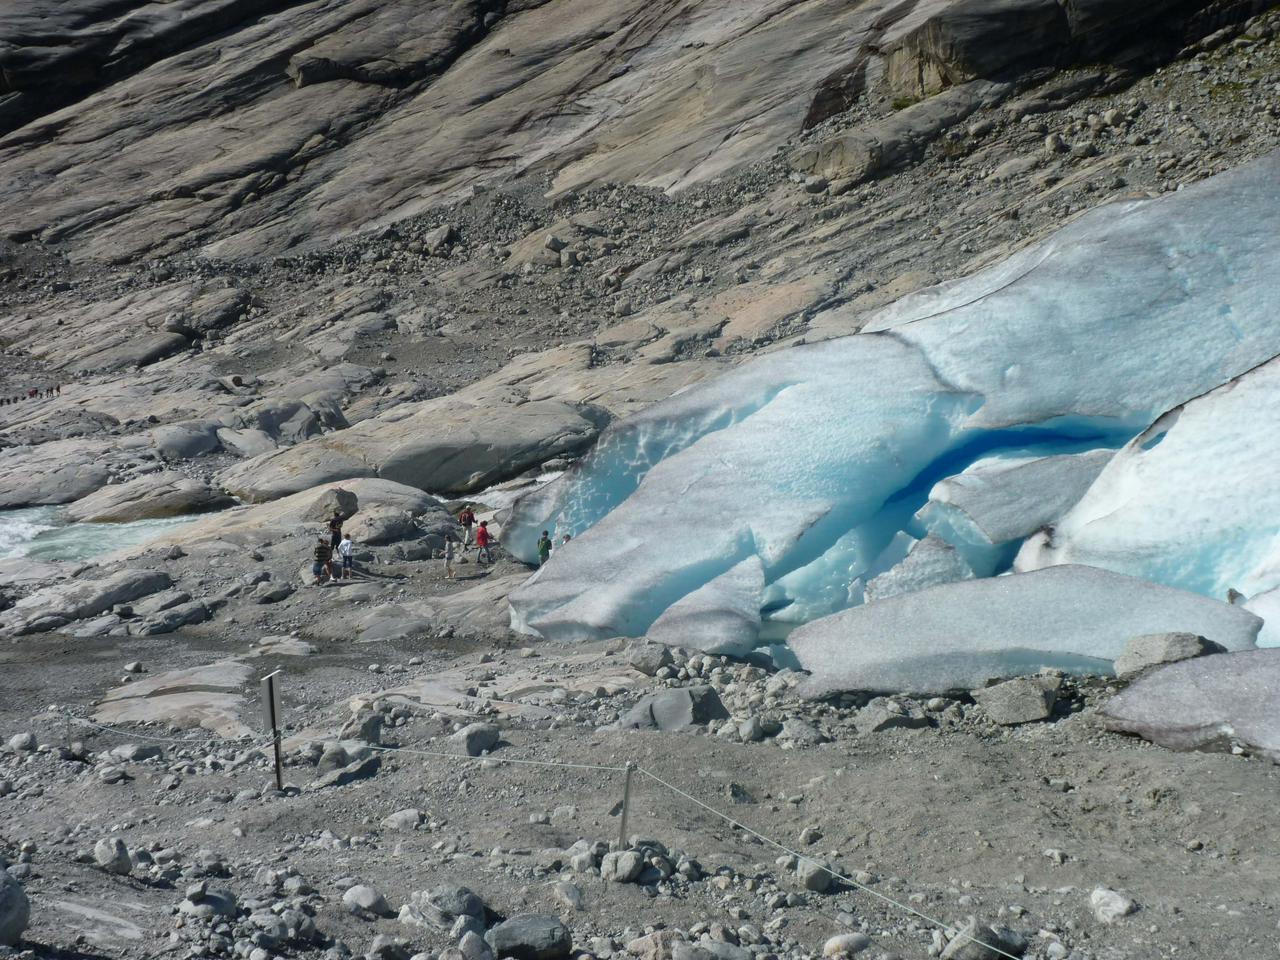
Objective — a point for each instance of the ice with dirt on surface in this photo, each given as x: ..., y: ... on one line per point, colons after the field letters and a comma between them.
x: 958, y: 635
x: 1192, y: 501
x: 999, y: 500
x: 1205, y: 703
x: 815, y: 460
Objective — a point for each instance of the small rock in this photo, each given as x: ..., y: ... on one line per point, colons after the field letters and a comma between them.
x: 1020, y: 700
x: 1151, y: 650
x: 814, y: 876
x: 22, y: 742
x: 403, y: 819
x: 649, y: 658
x: 621, y: 866
x: 1110, y: 905
x: 846, y: 945
x: 815, y: 184
x: 112, y: 855
x: 363, y: 900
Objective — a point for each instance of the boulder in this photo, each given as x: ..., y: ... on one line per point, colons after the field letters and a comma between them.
x: 476, y: 738
x: 1207, y: 703
x: 187, y: 440
x: 112, y: 855
x: 649, y: 658
x: 1142, y: 653
x: 622, y: 866
x: 531, y: 936
x: 15, y: 910
x: 814, y: 876
x: 1021, y: 700
x: 366, y: 901
x: 441, y: 907
x: 166, y: 494
x: 679, y: 708
x: 356, y: 770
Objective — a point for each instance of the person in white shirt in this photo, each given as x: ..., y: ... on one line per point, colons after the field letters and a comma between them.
x: 346, y: 549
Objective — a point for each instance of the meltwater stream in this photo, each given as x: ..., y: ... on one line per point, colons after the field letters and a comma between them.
x: 40, y: 533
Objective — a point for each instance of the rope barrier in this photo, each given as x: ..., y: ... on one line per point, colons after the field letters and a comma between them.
x: 800, y: 856
x: 133, y: 735
x: 605, y: 768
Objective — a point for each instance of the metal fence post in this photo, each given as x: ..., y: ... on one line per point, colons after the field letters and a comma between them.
x: 626, y: 806
x: 271, y: 713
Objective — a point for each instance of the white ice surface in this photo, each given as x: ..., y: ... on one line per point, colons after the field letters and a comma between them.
x: 1194, y: 501
x: 814, y: 459
x: 958, y: 635
x: 1267, y: 606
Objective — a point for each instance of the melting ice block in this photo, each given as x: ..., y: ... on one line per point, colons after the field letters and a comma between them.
x: 1205, y: 703
x: 931, y: 561
x: 1193, y: 501
x: 1267, y: 606
x: 958, y: 635
x: 1002, y: 499
x: 814, y: 460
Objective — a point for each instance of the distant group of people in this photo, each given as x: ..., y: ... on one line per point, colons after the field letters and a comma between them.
x: 334, y: 555
x: 334, y: 558
x: 35, y: 393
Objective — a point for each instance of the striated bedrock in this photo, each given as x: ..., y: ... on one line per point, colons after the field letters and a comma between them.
x: 143, y: 128
x: 783, y: 486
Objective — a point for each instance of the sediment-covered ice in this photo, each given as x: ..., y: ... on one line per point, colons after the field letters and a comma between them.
x: 1193, y: 501
x: 1207, y: 703
x: 958, y: 635
x: 814, y: 461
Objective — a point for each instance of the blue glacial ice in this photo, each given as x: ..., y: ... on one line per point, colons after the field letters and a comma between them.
x: 1193, y: 501
x: 968, y: 411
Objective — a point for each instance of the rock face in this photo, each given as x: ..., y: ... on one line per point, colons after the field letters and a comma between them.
x: 15, y: 910
x: 57, y: 605
x: 309, y: 150
x: 1205, y: 703
x: 440, y: 446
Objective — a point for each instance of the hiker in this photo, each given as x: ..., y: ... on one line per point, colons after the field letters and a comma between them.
x: 544, y: 548
x: 450, y: 554
x: 483, y: 539
x: 323, y: 563
x: 335, y: 529
x: 346, y: 549
x: 567, y: 538
x: 468, y: 520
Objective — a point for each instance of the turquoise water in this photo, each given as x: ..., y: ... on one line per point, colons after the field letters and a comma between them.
x: 40, y: 533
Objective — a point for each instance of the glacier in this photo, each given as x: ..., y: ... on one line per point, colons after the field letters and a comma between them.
x: 977, y: 413
x: 1192, y: 501
x: 953, y: 637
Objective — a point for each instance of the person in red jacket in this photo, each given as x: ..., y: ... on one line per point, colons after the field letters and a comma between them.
x: 483, y: 539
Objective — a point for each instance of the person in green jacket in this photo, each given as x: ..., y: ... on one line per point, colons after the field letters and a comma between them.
x: 544, y: 548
